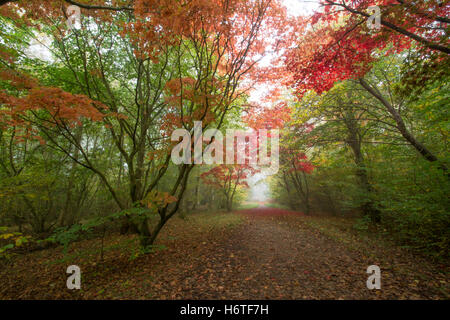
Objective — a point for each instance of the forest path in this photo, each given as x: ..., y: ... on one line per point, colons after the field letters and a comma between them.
x: 261, y: 253
x: 276, y: 256
x: 270, y: 258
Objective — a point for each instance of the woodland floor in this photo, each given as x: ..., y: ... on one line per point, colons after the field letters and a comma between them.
x: 261, y: 253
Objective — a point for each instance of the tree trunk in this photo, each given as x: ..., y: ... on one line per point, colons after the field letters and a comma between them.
x: 302, y: 189
x: 197, y: 194
x: 288, y: 189
x: 145, y: 236
x: 229, y: 204
x: 354, y: 142
x: 427, y: 154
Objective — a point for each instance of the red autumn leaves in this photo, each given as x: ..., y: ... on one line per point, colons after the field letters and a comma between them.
x: 336, y: 44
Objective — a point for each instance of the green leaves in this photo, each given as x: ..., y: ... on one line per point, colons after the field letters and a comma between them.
x: 16, y: 239
x: 66, y: 236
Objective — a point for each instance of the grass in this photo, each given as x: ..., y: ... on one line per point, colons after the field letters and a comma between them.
x: 210, y: 220
x: 248, y: 206
x: 277, y: 206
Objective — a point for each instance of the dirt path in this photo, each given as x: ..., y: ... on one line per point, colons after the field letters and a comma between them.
x: 271, y: 257
x: 266, y: 254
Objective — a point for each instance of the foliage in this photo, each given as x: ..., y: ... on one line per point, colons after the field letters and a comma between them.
x: 13, y: 240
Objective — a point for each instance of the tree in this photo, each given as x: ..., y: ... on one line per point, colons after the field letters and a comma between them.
x: 341, y: 46
x: 295, y: 170
x: 139, y: 76
x: 424, y: 22
x: 228, y: 178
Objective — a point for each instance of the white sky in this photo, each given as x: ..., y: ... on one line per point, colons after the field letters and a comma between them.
x: 300, y: 7
x: 38, y: 49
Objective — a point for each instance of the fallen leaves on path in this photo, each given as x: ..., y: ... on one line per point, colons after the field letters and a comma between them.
x: 261, y: 253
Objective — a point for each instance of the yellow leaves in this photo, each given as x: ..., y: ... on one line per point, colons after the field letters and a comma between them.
x: 15, y: 239
x: 7, y: 236
x: 21, y: 240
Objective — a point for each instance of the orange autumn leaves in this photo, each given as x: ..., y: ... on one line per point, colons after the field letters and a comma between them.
x: 23, y: 99
x: 222, y: 33
x: 272, y: 118
x: 60, y: 105
x: 156, y: 199
x: 36, y: 13
x: 23, y: 95
x: 187, y: 101
x: 222, y: 23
